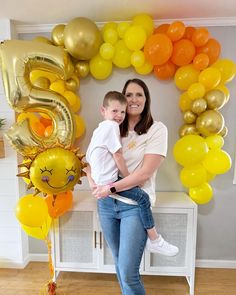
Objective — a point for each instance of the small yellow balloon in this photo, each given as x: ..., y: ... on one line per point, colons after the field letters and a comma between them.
x: 193, y: 176
x: 80, y: 126
x: 110, y: 36
x: 227, y: 69
x: 146, y: 21
x: 145, y: 69
x: 210, y: 77
x: 122, y: 55
x: 137, y: 58
x: 215, y: 141
x: 71, y: 97
x: 135, y: 37
x: 107, y: 51
x: 186, y: 76
x: 201, y: 194
x: 185, y: 102
x: 217, y: 161
x: 196, y: 90
x: 122, y: 28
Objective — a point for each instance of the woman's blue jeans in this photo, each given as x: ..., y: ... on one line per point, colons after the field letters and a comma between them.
x: 126, y: 237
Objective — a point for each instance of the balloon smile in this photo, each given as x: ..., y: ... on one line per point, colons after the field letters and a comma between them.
x: 57, y: 187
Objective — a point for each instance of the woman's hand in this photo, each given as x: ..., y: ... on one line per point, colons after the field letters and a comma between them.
x: 101, y: 191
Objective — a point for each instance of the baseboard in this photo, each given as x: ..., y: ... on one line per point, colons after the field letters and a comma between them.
x: 6, y: 263
x: 38, y: 257
x: 207, y: 263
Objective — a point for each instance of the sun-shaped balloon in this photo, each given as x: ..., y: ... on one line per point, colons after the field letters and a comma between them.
x: 54, y: 170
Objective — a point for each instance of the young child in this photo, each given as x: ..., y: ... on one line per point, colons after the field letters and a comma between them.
x: 104, y: 156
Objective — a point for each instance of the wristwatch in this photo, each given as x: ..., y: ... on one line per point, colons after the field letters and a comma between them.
x: 112, y: 188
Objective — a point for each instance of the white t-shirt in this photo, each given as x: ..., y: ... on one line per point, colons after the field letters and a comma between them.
x: 104, y: 143
x: 136, y: 146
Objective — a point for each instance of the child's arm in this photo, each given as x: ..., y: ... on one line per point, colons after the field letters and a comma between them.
x: 120, y: 163
x: 92, y: 184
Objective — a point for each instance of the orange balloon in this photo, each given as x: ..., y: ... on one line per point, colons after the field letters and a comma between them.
x: 200, y: 37
x: 183, y: 52
x: 48, y: 131
x: 38, y: 128
x: 158, y: 49
x: 161, y: 29
x: 189, y: 32
x: 212, y: 48
x: 176, y: 31
x: 201, y: 61
x: 59, y: 204
x: 46, y: 122
x: 165, y: 71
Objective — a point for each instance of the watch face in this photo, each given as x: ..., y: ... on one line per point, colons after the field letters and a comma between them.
x: 113, y: 190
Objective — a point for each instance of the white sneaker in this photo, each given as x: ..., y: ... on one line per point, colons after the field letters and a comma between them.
x: 162, y: 247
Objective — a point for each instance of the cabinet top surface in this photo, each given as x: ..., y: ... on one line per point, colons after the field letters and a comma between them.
x: 164, y: 199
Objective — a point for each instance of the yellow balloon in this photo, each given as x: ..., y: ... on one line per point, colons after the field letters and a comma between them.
x: 122, y: 28
x: 193, y: 176
x: 190, y: 150
x: 217, y: 161
x: 135, y: 38
x: 185, y: 102
x: 201, y: 194
x: 100, y: 68
x: 122, y: 55
x: 39, y: 232
x: 186, y: 76
x: 227, y: 69
x: 58, y: 35
x: 58, y: 86
x: 196, y: 90
x: 82, y: 38
x: 80, y: 126
x: 31, y: 210
x: 110, y: 36
x: 145, y: 21
x: 71, y: 97
x: 109, y: 25
x: 210, y: 122
x: 107, y: 51
x: 210, y: 77
x: 76, y: 107
x: 137, y: 58
x: 215, y: 141
x: 145, y: 69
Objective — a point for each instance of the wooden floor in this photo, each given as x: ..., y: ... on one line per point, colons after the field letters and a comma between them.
x: 30, y: 280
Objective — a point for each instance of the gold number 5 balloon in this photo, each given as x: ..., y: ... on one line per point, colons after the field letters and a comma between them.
x: 18, y: 58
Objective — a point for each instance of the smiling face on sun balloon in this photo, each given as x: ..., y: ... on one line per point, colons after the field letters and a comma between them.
x: 55, y: 170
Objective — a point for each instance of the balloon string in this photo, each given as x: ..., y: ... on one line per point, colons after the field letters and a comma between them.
x: 50, y: 287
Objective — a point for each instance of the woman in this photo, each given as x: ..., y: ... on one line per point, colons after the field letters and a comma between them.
x: 144, y: 149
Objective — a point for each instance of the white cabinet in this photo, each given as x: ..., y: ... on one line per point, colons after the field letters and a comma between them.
x: 79, y: 244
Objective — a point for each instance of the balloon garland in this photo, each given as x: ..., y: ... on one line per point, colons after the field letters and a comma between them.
x: 41, y: 81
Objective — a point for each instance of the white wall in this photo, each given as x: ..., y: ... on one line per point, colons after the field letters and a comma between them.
x: 217, y: 220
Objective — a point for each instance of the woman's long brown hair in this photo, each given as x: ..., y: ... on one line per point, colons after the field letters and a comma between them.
x: 146, y: 120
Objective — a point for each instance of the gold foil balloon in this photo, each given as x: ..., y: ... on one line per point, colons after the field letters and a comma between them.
x: 19, y: 58
x: 187, y: 129
x: 199, y: 106
x: 189, y: 117
x: 210, y: 122
x: 58, y: 35
x: 82, y: 38
x: 82, y: 69
x: 215, y: 99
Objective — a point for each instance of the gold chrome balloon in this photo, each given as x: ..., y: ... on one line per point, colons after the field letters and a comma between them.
x: 189, y: 117
x: 82, y: 69
x: 223, y: 132
x: 198, y: 106
x: 82, y: 38
x: 58, y: 35
x: 215, y: 99
x: 210, y: 122
x: 188, y: 129
x: 19, y: 58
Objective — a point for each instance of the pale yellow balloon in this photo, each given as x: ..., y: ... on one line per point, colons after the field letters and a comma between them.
x: 57, y: 35
x: 82, y: 38
x: 215, y: 141
x: 122, y: 28
x: 185, y: 102
x: 110, y: 36
x: 186, y: 76
x: 109, y: 25
x: 122, y: 55
x: 210, y: 77
x: 227, y: 69
x: 80, y: 126
x: 145, y: 69
x: 201, y: 194
x: 146, y: 21
x: 100, y: 68
x: 137, y: 58
x: 193, y: 176
x: 135, y: 38
x: 196, y: 90
x: 107, y: 51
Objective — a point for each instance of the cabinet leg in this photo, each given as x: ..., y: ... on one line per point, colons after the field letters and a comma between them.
x: 190, y: 280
